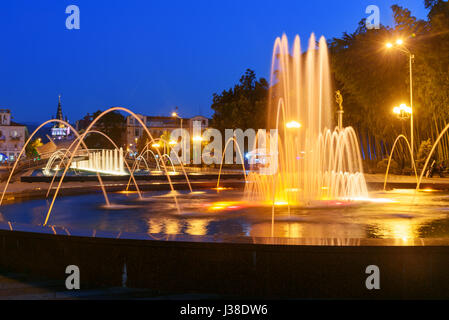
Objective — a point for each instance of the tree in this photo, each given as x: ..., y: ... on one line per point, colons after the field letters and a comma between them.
x: 113, y: 124
x: 30, y: 150
x: 243, y: 106
x: 373, y: 79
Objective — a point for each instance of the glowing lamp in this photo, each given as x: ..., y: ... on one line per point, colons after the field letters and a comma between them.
x: 293, y: 124
x: 402, y: 109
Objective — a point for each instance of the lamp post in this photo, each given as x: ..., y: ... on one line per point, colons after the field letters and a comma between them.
x: 175, y: 115
x: 399, y: 45
x: 403, y: 112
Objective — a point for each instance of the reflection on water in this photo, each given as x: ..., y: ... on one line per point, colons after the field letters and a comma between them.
x: 197, y: 227
x: 403, y: 215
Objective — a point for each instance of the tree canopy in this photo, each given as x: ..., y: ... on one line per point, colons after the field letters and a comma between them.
x: 374, y: 79
x: 243, y: 106
x: 112, y: 124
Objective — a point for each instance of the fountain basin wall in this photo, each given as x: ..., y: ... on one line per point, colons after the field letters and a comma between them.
x: 235, y: 269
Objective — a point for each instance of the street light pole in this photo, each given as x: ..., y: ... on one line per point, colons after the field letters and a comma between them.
x: 176, y: 115
x: 401, y: 47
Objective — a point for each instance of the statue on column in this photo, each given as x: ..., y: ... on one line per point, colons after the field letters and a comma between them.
x: 339, y: 100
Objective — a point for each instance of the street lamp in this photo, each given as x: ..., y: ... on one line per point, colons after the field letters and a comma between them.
x: 403, y: 111
x: 175, y: 115
x: 293, y: 124
x: 399, y: 44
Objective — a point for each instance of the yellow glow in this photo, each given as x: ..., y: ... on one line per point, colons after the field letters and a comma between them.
x: 197, y: 192
x: 428, y: 190
x: 280, y: 203
x: 172, y: 227
x: 174, y: 114
x: 402, y: 108
x: 197, y: 138
x: 222, y: 205
x: 389, y: 45
x: 197, y: 227
x: 399, y: 42
x: 155, y: 145
x: 293, y: 124
x: 126, y: 192
x: 221, y: 188
x: 172, y: 142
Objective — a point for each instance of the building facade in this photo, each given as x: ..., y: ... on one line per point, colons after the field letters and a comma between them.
x: 12, y: 137
x: 158, y: 125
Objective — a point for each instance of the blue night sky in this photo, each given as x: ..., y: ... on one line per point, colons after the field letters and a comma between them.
x: 151, y: 56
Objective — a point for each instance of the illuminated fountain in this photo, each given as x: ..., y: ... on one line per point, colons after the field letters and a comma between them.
x: 103, y: 161
x: 312, y: 165
x: 314, y: 161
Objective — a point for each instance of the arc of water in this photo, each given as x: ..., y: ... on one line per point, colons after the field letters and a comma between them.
x: 79, y: 143
x: 56, y: 155
x: 139, y: 158
x: 391, y: 155
x: 145, y: 161
x: 146, y: 148
x: 430, y: 155
x: 83, y: 136
x: 222, y: 157
x: 142, y: 157
x: 28, y: 141
x: 182, y: 166
x: 171, y: 162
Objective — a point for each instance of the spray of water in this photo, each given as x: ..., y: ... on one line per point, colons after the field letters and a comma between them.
x: 314, y: 161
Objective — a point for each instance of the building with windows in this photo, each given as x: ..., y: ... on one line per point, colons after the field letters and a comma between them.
x: 12, y: 137
x: 157, y: 125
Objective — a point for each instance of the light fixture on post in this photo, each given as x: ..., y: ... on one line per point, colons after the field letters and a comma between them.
x: 399, y: 45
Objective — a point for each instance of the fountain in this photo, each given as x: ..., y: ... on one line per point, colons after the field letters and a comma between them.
x: 314, y: 161
x: 103, y: 161
x: 312, y: 165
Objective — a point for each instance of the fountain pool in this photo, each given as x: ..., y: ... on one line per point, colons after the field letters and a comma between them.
x: 400, y: 215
